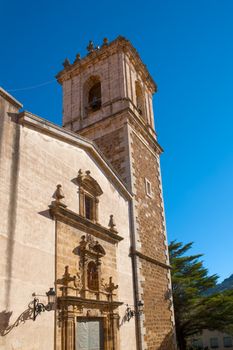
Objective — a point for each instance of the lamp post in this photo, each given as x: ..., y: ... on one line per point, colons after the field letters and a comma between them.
x: 39, y: 307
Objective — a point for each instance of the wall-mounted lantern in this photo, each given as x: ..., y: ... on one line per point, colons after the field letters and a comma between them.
x: 40, y: 307
x: 130, y: 313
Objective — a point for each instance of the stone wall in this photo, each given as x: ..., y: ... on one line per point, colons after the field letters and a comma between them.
x: 123, y: 129
x: 154, y: 276
x: 138, y: 161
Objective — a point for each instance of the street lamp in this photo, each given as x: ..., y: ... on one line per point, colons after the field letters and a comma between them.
x: 131, y: 313
x: 39, y: 307
x: 51, y: 294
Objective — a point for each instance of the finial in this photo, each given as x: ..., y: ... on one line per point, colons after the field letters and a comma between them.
x: 78, y: 58
x: 90, y: 47
x: 88, y: 172
x: 105, y: 42
x: 112, y: 223
x: 66, y: 270
x: 59, y: 193
x: 59, y: 196
x: 79, y: 177
x: 66, y: 63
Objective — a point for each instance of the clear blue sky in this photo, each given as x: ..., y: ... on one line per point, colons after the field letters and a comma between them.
x: 188, y: 48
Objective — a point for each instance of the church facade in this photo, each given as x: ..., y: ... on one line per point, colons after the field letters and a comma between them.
x: 82, y: 212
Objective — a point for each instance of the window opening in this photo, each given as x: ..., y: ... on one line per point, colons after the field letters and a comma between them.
x: 214, y: 343
x: 140, y: 99
x: 94, y: 97
x: 197, y: 343
x: 227, y: 342
x: 88, y: 207
x: 92, y: 276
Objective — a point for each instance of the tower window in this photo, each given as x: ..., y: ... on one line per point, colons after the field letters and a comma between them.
x: 140, y: 101
x: 88, y: 207
x: 94, y: 97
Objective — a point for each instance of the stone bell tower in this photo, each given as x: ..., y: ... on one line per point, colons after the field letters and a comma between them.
x: 107, y: 97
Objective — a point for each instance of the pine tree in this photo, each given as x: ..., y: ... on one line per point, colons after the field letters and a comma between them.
x: 194, y: 310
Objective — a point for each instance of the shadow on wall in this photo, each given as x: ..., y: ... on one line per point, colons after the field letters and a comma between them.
x: 12, y: 208
x: 5, y: 316
x: 168, y: 342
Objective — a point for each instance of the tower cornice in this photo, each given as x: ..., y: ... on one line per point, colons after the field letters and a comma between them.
x: 120, y: 45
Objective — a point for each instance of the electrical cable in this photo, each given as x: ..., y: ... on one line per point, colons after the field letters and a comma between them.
x: 33, y: 86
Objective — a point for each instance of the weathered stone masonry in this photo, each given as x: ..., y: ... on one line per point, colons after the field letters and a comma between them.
x: 123, y: 129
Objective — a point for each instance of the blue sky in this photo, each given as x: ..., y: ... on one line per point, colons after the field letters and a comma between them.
x: 188, y: 49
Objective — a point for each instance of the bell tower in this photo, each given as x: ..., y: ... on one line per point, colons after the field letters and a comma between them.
x: 107, y: 97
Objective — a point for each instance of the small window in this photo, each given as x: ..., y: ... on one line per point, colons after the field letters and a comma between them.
x: 89, y: 192
x: 197, y: 343
x: 88, y: 207
x: 94, y: 97
x: 214, y: 343
x: 227, y: 342
x: 148, y: 188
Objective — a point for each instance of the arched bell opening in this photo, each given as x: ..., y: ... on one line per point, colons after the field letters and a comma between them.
x: 92, y: 95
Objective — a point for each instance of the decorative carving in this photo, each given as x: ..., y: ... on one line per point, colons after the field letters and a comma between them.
x: 59, y: 193
x: 90, y: 47
x: 94, y: 298
x: 105, y: 42
x: 89, y: 190
x: 88, y: 183
x: 90, y: 252
x: 66, y: 281
x: 90, y: 246
x: 59, y: 196
x: 80, y: 177
x: 93, y: 313
x: 109, y: 288
x: 90, y: 240
x: 112, y: 224
x: 78, y: 58
x: 66, y: 63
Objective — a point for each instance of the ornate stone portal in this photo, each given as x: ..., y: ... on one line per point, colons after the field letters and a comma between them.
x: 87, y: 297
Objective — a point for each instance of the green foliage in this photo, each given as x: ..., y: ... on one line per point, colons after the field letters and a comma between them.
x: 225, y: 285
x: 194, y: 310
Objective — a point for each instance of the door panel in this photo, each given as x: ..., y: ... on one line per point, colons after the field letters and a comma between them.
x: 89, y: 335
x: 82, y: 336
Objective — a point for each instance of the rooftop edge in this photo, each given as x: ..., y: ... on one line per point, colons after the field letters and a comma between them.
x: 10, y: 98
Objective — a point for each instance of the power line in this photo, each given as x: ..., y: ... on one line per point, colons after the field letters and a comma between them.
x: 32, y: 87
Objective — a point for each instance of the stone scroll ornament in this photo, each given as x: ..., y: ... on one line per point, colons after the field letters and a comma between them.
x: 109, y: 288
x: 68, y: 282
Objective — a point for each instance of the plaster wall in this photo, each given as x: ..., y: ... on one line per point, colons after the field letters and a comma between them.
x: 32, y: 164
